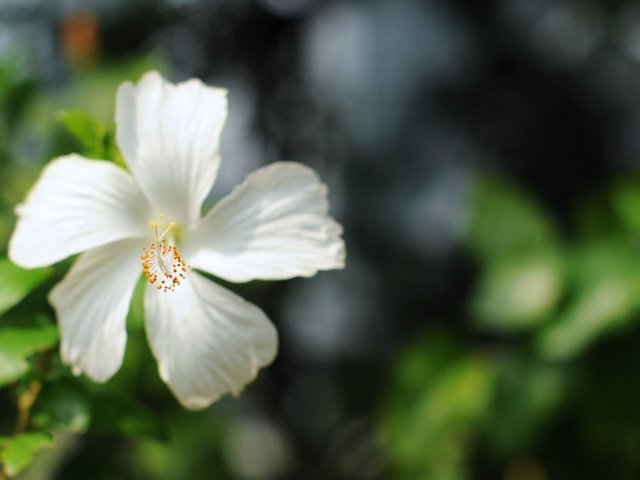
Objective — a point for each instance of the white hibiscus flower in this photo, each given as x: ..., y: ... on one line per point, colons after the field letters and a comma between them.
x: 207, y: 340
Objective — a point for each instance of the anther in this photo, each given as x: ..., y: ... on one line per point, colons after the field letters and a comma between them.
x: 161, y: 263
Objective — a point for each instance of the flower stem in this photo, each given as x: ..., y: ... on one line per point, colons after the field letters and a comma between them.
x: 25, y: 402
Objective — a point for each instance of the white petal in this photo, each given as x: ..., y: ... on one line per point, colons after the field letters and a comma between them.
x: 274, y: 226
x: 76, y: 205
x: 207, y: 340
x: 169, y: 136
x: 91, y: 304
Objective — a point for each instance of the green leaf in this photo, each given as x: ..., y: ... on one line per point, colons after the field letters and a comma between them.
x: 606, y: 400
x: 63, y: 403
x: 25, y: 341
x: 16, y: 453
x: 86, y: 130
x: 516, y: 294
x: 16, y: 92
x: 135, y: 316
x: 504, y: 222
x: 93, y: 139
x: 439, y: 394
x: 19, y: 343
x: 12, y: 367
x: 111, y: 150
x: 82, y: 126
x: 626, y: 203
x: 17, y: 283
x: 606, y: 278
x: 83, y: 406
x: 122, y: 415
x: 528, y: 395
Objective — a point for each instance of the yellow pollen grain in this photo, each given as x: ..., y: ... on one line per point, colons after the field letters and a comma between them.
x: 156, y: 270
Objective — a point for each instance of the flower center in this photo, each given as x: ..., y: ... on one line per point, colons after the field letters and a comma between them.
x: 162, y: 264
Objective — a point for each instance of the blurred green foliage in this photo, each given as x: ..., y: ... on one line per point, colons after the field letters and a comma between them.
x: 440, y: 392
x: 494, y: 397
x: 18, y: 344
x: 16, y: 453
x: 522, y: 261
x: 22, y: 282
x: 92, y: 138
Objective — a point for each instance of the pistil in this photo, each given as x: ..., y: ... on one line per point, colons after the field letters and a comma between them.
x: 162, y: 264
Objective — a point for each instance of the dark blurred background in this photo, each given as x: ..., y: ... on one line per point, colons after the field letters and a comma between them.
x: 482, y: 157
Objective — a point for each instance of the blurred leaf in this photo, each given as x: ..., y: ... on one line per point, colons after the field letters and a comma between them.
x: 135, y: 316
x: 94, y: 140
x: 610, y: 212
x: 17, y: 283
x: 606, y: 400
x: 16, y: 91
x: 16, y: 453
x: 63, y: 403
x: 527, y: 395
x: 595, y: 217
x: 26, y: 341
x: 11, y: 367
x: 626, y: 203
x: 118, y: 414
x: 606, y: 276
x: 198, y: 448
x: 86, y: 130
x: 82, y: 406
x: 518, y: 294
x: 438, y: 394
x: 111, y: 150
x: 504, y: 222
x: 19, y: 343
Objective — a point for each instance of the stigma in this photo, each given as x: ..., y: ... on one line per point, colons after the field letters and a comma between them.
x: 162, y: 264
